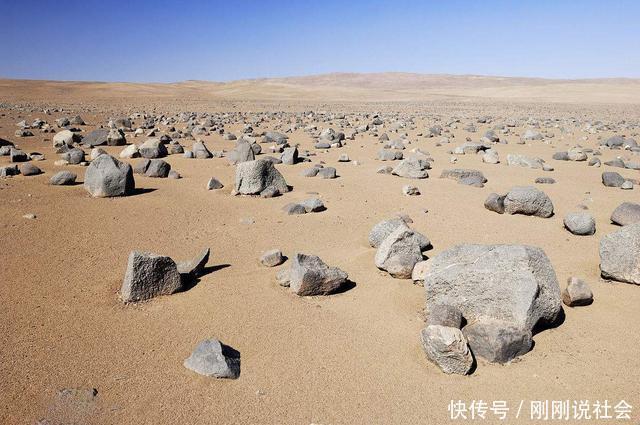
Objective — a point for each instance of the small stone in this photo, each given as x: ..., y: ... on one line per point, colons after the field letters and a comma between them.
x: 214, y: 359
x: 580, y: 223
x: 29, y: 216
x: 214, y: 184
x: 62, y: 178
x: 272, y: 258
x: 409, y: 190
x: 577, y: 293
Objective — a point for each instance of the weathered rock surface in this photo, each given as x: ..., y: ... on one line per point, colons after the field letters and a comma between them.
x: 309, y: 275
x: 149, y: 275
x: 619, y: 254
x: 214, y: 359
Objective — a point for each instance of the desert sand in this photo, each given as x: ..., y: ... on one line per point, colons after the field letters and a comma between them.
x: 348, y: 358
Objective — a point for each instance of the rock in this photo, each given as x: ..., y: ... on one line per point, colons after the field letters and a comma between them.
x: 173, y: 174
x: 460, y: 174
x: 283, y: 279
x: 16, y: 155
x: 344, y: 158
x: 627, y: 185
x: 625, y: 214
x: 194, y: 267
x: 410, y: 190
x: 96, y: 137
x: 141, y: 166
x: 327, y: 173
x: 152, y: 148
x: 214, y: 359
x: 10, y: 170
x: 577, y: 293
x: 200, y: 150
x: 214, y: 184
x: 310, y: 172
x: 73, y: 156
x: 130, y: 151
x: 443, y: 314
x: 524, y: 161
x: 383, y: 229
x: 594, y: 162
x: 242, y: 153
x: 62, y: 178
x: 65, y: 137
x: 561, y: 156
x: 313, y: 205
x: 294, y: 209
x: 447, y: 348
x: 545, y: 180
x: 529, y: 201
x: 272, y: 258
x: 270, y: 192
x: 612, y: 179
x: 28, y: 169
x: 289, y: 156
x: 495, y: 203
x: 576, y: 154
x: 309, y: 275
x: 530, y: 135
x: 149, y: 275
x: 252, y: 177
x: 399, y: 252
x: 158, y: 168
x: 29, y: 216
x: 389, y: 155
x: 497, y: 341
x: 502, y: 291
x: 619, y: 259
x: 419, y: 271
x: 96, y: 152
x: 107, y: 177
x: 580, y: 223
x: 490, y: 156
x: 412, y: 168
x: 116, y: 137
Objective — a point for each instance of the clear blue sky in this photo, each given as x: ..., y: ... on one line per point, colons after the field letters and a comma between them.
x: 174, y: 40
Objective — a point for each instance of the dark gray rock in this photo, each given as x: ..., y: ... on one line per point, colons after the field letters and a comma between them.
x: 149, y: 275
x: 309, y: 275
x: 612, y: 179
x: 625, y: 214
x: 158, y: 168
x: 107, y: 177
x: 214, y: 359
x: 63, y: 178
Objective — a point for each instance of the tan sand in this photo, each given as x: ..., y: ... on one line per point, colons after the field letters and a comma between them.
x: 351, y: 358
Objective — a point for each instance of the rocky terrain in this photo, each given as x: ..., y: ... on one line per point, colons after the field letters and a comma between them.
x: 344, y: 248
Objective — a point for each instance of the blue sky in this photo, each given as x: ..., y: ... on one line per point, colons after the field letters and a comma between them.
x: 209, y: 40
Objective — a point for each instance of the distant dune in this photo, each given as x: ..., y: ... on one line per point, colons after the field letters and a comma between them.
x: 342, y: 87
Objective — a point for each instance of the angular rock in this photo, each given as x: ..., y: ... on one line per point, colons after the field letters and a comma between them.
x: 272, y: 258
x: 214, y: 359
x: 108, y: 177
x: 309, y: 275
x: 214, y: 184
x: 158, y: 168
x: 624, y: 214
x: 495, y: 203
x: 153, y: 148
x: 447, y: 348
x: 619, y: 259
x: 149, y: 275
x: 529, y: 201
x: 577, y: 293
x: 399, y: 252
x: 412, y: 168
x: 252, y: 177
x: 194, y: 267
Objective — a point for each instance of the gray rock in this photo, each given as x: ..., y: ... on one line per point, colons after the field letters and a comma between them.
x: 627, y: 185
x: 313, y: 205
x: 107, y: 177
x: 524, y: 161
x: 294, y: 209
x: 470, y: 177
x: 383, y: 229
x: 619, y: 259
x: 28, y: 169
x: 399, y: 252
x: 497, y: 341
x: 116, y: 137
x: 327, y: 173
x: 410, y: 190
x: 561, y: 156
x: 73, y: 156
x: 214, y: 184
x: 389, y: 155
x: 580, y: 223
x: 529, y: 201
x: 141, y: 166
x: 63, y: 178
x: 309, y: 275
x: 200, y: 150
x: 495, y: 203
x: 270, y: 192
x: 65, y: 137
x: 447, y: 348
x: 310, y: 172
x: 96, y: 137
x: 158, y: 168
x: 577, y: 293
x: 502, y: 291
x: 545, y: 180
x: 412, y: 168
x: 214, y: 359
x: 252, y: 177
x: 612, y: 179
x: 153, y: 148
x: 625, y: 214
x: 289, y: 156
x: 16, y: 155
x: 443, y: 315
x: 149, y: 275
x: 242, y: 153
x: 576, y: 154
x: 194, y: 267
x: 272, y: 258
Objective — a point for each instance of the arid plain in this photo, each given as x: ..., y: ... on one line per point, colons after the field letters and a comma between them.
x: 347, y: 358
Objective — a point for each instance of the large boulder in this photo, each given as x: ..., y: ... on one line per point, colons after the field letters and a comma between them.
x: 107, y: 177
x: 65, y: 137
x: 309, y: 275
x: 529, y: 201
x: 399, y: 252
x: 252, y: 177
x: 625, y: 214
x: 620, y: 254
x: 502, y: 291
x: 149, y: 275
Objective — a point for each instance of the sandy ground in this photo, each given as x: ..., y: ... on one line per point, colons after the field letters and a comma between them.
x: 350, y: 358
